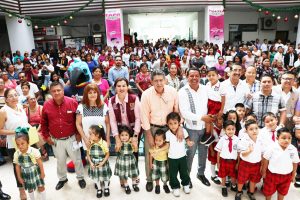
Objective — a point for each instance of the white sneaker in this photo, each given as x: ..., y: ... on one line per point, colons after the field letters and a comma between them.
x: 186, y: 189
x: 176, y: 192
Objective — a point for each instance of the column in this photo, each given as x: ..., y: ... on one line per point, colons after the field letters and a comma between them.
x: 298, y: 32
x: 20, y: 35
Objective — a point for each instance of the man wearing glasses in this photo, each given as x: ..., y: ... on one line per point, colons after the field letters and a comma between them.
x: 290, y: 96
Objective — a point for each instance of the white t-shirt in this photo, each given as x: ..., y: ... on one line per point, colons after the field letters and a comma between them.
x: 215, y: 92
x: 281, y: 161
x: 265, y: 135
x: 92, y: 116
x: 243, y: 145
x: 223, y: 147
x: 177, y: 149
x: 33, y: 89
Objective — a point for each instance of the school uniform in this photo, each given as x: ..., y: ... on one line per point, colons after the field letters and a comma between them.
x: 227, y: 146
x: 126, y: 165
x: 214, y: 94
x: 249, y: 166
x: 279, y: 172
x: 30, y: 170
x: 160, y: 164
x: 177, y: 160
x: 97, y: 152
x: 268, y: 137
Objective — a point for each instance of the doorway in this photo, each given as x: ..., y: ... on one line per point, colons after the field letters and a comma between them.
x: 282, y: 35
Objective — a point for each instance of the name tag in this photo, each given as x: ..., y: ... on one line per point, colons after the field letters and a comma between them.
x: 69, y: 112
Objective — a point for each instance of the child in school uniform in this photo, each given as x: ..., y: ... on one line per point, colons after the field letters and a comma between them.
x: 250, y: 152
x: 97, y: 155
x: 126, y: 165
x: 243, y: 132
x: 241, y: 111
x: 227, y: 156
x: 159, y: 161
x: 177, y: 155
x: 212, y: 154
x: 215, y: 105
x: 29, y: 165
x: 268, y: 133
x: 279, y: 165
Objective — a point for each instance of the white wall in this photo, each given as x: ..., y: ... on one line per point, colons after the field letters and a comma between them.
x: 20, y: 35
x: 253, y: 18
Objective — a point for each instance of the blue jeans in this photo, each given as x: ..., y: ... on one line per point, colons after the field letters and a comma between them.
x: 195, y: 136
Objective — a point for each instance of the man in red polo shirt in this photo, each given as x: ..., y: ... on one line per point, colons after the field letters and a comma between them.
x: 59, y: 130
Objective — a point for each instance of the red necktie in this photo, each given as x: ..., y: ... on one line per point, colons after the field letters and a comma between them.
x: 273, y: 136
x: 230, y: 144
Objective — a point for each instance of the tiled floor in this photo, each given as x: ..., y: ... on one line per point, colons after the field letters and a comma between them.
x: 71, y: 190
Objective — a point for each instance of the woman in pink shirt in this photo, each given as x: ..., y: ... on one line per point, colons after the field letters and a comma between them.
x: 8, y: 84
x: 143, y: 79
x: 220, y: 66
x: 102, y: 83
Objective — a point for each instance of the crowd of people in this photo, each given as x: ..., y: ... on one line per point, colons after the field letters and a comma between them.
x: 237, y: 106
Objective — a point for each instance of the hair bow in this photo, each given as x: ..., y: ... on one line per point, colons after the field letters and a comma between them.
x: 22, y: 130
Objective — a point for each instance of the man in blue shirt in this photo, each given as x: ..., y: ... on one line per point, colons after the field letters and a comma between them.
x: 117, y: 71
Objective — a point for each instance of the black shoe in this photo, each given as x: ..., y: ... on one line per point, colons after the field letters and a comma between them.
x: 157, y: 189
x: 238, y: 195
x: 233, y: 188
x: 204, y: 139
x: 99, y: 194
x: 60, y: 184
x: 135, y: 187
x: 96, y: 187
x: 216, y: 180
x: 106, y: 192
x: 251, y: 196
x: 203, y: 179
x: 127, y: 189
x: 210, y: 140
x: 297, y: 183
x: 82, y: 183
x: 149, y: 186
x: 166, y: 189
x: 4, y: 196
x: 224, y: 192
x: 191, y: 185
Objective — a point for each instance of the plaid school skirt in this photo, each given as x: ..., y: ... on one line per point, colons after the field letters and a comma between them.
x: 126, y: 166
x: 99, y: 173
x: 249, y: 171
x: 227, y: 168
x: 31, y: 176
x: 160, y: 171
x: 279, y: 182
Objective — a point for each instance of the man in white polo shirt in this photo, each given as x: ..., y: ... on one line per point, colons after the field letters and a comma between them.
x: 236, y: 91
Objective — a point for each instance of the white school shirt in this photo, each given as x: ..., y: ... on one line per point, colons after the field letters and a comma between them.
x: 177, y: 149
x: 255, y: 155
x: 200, y: 100
x: 265, y: 135
x: 281, y: 161
x: 234, y: 96
x: 222, y: 147
x: 215, y: 92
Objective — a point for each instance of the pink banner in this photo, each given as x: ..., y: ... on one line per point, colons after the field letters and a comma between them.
x: 114, y: 28
x: 216, y: 25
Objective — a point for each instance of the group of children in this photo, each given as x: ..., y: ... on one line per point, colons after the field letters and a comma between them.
x: 245, y: 156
